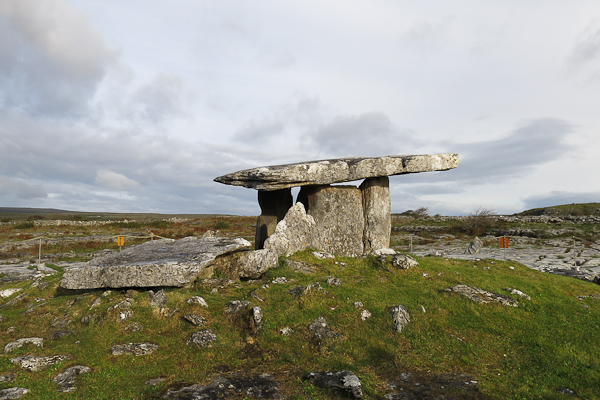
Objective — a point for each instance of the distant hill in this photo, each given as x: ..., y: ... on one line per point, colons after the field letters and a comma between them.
x: 26, y: 210
x: 564, y: 210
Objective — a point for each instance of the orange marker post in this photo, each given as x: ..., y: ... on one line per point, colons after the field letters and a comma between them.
x: 504, y: 244
x: 120, y: 241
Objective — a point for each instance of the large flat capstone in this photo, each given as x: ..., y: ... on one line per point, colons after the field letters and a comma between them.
x: 337, y: 170
x: 164, y: 262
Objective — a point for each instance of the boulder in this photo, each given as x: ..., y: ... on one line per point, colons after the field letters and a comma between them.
x: 66, y: 379
x: 195, y: 319
x: 342, y: 383
x: 164, y: 262
x: 377, y: 213
x: 339, y: 218
x: 325, y: 172
x: 9, y: 292
x: 158, y: 299
x: 246, y: 264
x: 474, y: 247
x: 293, y: 233
x: 236, y: 306
x: 400, y: 316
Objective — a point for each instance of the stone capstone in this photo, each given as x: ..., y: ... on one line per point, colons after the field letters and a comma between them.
x: 482, y: 296
x: 35, y: 363
x: 134, y: 349
x: 342, y: 383
x: 164, y: 262
x: 325, y: 172
x: 66, y: 379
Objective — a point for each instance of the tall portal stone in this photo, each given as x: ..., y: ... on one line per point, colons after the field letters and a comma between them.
x: 338, y: 215
x: 377, y: 210
x: 273, y: 206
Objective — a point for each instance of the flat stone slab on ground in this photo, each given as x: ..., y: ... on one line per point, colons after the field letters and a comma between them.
x: 164, y: 262
x: 325, y: 172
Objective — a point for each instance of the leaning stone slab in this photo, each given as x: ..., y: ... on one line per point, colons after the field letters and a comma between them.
x: 35, y: 363
x: 164, y: 262
x: 325, y: 172
x: 342, y: 383
x: 475, y: 246
x: 293, y: 233
x: 483, y: 296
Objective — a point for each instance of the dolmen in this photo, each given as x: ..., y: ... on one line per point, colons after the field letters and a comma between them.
x: 344, y: 219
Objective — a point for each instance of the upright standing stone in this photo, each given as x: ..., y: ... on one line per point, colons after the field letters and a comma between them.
x: 273, y: 206
x: 377, y: 210
x: 338, y: 215
x: 293, y: 233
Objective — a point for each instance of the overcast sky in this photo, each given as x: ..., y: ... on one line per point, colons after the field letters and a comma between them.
x: 136, y: 106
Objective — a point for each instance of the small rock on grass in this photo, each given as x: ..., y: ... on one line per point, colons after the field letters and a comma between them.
x: 342, y: 383
x: 195, y: 319
x: 197, y: 300
x: 158, y: 299
x: 35, y: 363
x: 135, y: 349
x: 7, y: 378
x: 21, y: 342
x: 13, y: 393
x: 203, y: 338
x: 236, y: 306
x: 66, y: 379
x: 321, y: 329
x: 400, y: 316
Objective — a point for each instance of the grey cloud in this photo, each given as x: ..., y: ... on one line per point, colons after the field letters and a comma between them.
x: 368, y: 134
x: 11, y: 188
x: 535, y: 143
x: 559, y: 197
x: 587, y: 49
x: 50, y: 58
x: 159, y: 99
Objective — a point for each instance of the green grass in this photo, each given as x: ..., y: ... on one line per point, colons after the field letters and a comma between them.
x: 517, y: 353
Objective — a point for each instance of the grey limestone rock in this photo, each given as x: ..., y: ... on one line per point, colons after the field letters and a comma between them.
x: 293, y: 233
x: 482, y: 296
x: 257, y: 316
x: 246, y: 264
x: 236, y: 306
x: 400, y: 316
x: 197, y: 300
x: 325, y: 172
x: 203, y: 338
x: 301, y: 267
x: 195, y: 319
x: 401, y: 261
x: 7, y: 378
x: 273, y: 205
x: 321, y: 329
x: 21, y: 342
x: 237, y: 386
x: 9, y: 292
x: 135, y: 349
x: 13, y: 393
x: 333, y: 281
x: 377, y: 213
x: 158, y: 299
x: 474, y: 247
x: 342, y: 383
x: 35, y: 363
x: 134, y: 327
x: 339, y: 218
x: 66, y: 379
x: 156, y: 263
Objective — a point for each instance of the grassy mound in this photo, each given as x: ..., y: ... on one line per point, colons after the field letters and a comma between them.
x: 528, y: 352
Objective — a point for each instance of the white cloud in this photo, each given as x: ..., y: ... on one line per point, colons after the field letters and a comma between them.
x: 114, y: 180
